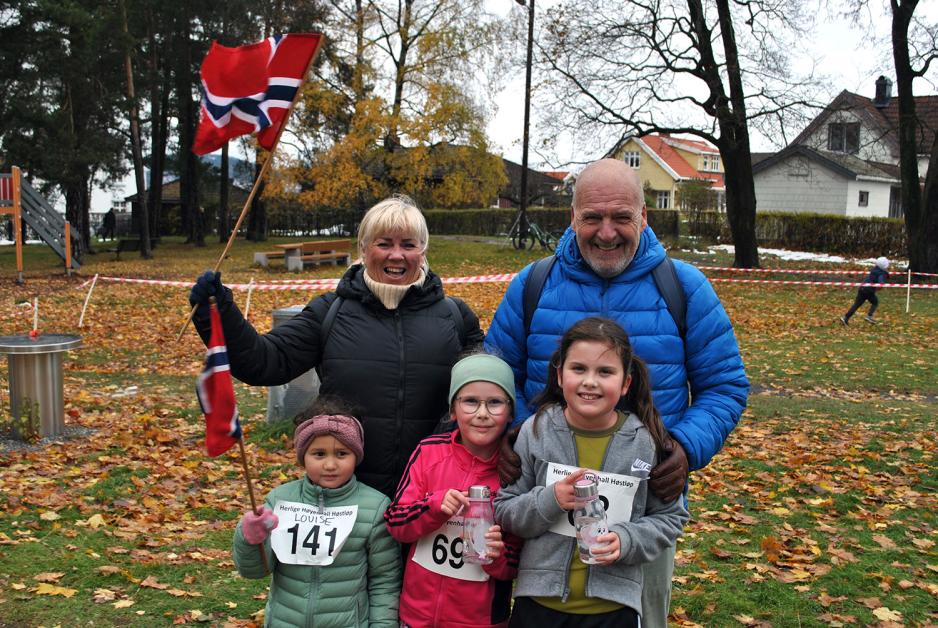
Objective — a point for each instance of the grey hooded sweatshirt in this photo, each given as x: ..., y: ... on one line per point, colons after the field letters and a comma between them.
x: 528, y: 508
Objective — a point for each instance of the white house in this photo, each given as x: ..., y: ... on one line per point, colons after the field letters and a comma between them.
x: 846, y: 160
x: 801, y: 179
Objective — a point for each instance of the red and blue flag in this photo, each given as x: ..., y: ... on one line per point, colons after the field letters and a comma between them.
x: 249, y: 89
x: 216, y: 394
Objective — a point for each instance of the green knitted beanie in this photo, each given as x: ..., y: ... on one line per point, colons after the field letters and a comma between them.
x: 482, y: 367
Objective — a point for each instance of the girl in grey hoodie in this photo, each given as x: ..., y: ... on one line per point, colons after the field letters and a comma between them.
x: 578, y: 427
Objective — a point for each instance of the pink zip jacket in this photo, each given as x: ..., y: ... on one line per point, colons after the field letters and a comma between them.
x: 429, y: 597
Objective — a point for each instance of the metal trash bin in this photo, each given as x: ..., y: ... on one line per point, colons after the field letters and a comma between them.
x: 284, y: 402
x: 35, y: 372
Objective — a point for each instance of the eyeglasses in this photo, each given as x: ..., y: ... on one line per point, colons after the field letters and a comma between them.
x: 494, y: 406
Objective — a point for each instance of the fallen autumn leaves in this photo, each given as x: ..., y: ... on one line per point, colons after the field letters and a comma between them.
x: 819, y: 511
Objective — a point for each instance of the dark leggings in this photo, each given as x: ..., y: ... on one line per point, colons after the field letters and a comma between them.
x: 861, y: 297
x: 526, y: 613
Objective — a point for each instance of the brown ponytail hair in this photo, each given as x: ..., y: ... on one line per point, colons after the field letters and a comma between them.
x: 637, y: 398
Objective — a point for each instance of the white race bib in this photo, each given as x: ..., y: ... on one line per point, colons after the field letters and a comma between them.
x: 615, y: 491
x: 441, y: 552
x: 306, y: 535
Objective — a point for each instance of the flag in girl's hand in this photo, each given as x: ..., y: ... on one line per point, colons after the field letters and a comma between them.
x: 216, y: 394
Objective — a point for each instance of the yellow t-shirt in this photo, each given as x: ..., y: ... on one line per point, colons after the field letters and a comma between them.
x: 591, y: 449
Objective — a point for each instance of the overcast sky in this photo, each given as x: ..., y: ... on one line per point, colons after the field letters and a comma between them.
x: 841, y: 49
x: 845, y: 53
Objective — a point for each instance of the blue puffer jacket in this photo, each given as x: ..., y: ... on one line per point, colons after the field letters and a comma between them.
x: 709, y: 361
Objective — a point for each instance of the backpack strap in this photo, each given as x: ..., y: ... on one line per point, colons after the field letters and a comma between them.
x: 457, y: 319
x: 326, y: 328
x: 533, y: 287
x: 665, y: 276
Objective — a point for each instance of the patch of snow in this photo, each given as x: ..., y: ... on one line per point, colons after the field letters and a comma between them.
x: 805, y: 256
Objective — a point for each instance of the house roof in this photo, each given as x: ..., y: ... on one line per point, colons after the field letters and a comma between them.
x: 664, y: 150
x: 847, y: 166
x: 209, y: 194
x: 694, y: 146
x: 560, y: 175
x: 883, y: 121
x: 542, y: 186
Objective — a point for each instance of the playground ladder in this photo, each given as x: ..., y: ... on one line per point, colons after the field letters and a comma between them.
x: 48, y: 224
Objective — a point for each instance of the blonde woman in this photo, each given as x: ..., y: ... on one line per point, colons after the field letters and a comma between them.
x: 393, y: 339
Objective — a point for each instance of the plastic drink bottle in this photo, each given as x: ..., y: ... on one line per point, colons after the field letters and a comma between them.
x: 589, y: 518
x: 477, y: 520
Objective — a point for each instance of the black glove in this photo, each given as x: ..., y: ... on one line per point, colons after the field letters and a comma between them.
x: 669, y: 476
x: 209, y: 285
x: 509, y: 463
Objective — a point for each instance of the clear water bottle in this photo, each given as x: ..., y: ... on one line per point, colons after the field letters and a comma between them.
x: 477, y: 520
x: 589, y: 518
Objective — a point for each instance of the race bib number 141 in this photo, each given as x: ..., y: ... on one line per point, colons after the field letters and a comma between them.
x: 307, y: 535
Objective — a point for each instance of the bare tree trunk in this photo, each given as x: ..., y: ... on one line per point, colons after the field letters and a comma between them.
x: 928, y: 236
x: 921, y: 214
x: 223, y: 230
x: 730, y: 113
x: 392, y: 140
x: 159, y: 105
x: 143, y: 218
x: 75, y: 210
x: 257, y: 218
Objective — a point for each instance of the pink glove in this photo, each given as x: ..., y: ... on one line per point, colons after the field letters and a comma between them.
x: 256, y: 528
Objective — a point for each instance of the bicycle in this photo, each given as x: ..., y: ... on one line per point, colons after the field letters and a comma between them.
x: 534, y: 234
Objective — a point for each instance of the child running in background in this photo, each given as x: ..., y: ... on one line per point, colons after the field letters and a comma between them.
x: 333, y: 561
x: 868, y: 293
x: 441, y: 588
x: 577, y: 427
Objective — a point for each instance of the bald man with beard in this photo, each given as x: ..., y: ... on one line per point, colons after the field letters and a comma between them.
x: 604, y: 263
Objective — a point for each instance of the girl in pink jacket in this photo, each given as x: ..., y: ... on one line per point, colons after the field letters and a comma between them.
x: 441, y: 588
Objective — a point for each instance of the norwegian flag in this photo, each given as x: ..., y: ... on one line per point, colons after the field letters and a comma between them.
x: 216, y: 394
x: 249, y: 89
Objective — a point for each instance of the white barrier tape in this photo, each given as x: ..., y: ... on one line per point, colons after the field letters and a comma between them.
x: 925, y: 274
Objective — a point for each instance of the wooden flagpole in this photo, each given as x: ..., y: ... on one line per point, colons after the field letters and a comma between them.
x: 247, y: 478
x: 260, y: 176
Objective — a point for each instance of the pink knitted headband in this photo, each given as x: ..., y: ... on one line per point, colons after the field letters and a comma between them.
x: 345, y: 429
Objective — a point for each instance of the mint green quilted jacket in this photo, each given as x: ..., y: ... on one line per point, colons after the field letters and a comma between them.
x: 360, y: 589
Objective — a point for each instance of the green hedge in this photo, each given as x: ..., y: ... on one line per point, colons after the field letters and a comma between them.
x: 821, y: 233
x: 496, y: 222
x: 293, y: 220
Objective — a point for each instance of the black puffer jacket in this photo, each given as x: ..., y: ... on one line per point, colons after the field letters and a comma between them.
x: 393, y: 365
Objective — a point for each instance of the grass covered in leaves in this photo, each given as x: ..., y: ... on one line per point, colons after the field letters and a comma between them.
x: 820, y: 510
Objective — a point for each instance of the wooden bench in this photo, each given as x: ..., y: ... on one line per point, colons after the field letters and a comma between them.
x: 132, y: 244
x: 333, y: 252
x: 263, y: 257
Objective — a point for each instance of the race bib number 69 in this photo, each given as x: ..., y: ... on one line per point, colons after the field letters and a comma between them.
x: 441, y: 552
x: 308, y: 535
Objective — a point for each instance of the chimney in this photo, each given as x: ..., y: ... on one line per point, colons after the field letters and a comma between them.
x: 883, y: 92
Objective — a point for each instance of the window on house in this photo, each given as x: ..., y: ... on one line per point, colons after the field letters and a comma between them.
x: 632, y: 158
x: 864, y: 199
x: 843, y: 137
x: 711, y: 163
x: 663, y: 199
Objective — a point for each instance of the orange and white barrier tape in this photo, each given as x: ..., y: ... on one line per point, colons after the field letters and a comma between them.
x: 329, y: 284
x: 307, y: 284
x: 835, y: 284
x: 793, y: 271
